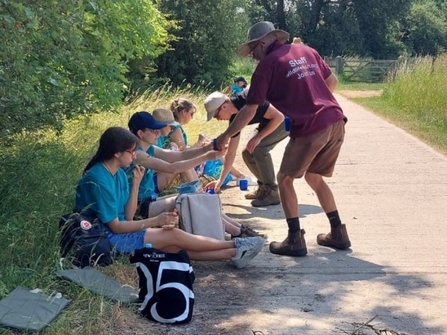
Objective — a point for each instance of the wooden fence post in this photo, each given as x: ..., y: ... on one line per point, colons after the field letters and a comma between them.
x: 338, y: 65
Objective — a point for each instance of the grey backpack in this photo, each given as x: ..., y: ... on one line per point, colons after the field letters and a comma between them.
x: 201, y: 214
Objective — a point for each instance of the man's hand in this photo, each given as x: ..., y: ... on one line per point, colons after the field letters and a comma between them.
x: 253, y: 143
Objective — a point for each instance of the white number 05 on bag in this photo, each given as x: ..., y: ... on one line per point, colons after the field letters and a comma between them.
x: 166, y: 285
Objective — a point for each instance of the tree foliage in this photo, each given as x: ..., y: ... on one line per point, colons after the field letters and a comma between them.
x: 207, y: 37
x: 424, y: 29
x: 377, y: 29
x: 63, y: 58
x: 60, y: 59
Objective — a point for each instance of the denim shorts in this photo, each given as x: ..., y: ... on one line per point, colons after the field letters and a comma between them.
x: 127, y: 243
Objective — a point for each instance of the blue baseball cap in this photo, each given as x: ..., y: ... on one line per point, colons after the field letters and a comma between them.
x: 144, y: 120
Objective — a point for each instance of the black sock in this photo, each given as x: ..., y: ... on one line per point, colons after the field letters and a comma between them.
x: 334, y: 219
x: 294, y: 225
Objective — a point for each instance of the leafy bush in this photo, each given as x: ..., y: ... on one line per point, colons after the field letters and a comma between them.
x: 60, y: 59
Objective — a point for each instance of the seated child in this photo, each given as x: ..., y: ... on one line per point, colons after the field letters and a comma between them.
x: 103, y: 192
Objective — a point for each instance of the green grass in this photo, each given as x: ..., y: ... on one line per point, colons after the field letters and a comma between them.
x: 39, y: 173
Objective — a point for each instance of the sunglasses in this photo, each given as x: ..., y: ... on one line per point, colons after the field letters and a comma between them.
x: 252, y: 50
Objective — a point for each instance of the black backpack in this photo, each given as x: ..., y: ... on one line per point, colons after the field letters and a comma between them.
x: 83, y: 241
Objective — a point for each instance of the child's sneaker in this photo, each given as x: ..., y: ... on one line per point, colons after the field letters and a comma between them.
x: 246, y: 249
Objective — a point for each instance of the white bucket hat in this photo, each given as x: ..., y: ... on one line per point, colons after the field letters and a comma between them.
x: 213, y: 102
x: 258, y: 31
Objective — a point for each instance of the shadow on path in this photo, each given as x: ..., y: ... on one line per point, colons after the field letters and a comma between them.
x: 270, y: 212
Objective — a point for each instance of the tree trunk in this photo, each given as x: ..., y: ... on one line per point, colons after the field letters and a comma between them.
x: 281, y: 17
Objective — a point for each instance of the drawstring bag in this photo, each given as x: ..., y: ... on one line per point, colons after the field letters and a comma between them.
x: 166, y: 285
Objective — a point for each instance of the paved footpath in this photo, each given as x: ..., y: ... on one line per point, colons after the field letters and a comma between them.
x: 391, y: 191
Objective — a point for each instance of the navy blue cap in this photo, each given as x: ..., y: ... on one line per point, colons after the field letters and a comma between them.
x: 144, y: 120
x: 240, y: 79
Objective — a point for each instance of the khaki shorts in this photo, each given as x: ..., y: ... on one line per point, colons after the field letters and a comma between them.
x: 316, y: 153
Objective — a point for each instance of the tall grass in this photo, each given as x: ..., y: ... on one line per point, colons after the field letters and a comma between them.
x: 420, y: 87
x: 39, y: 173
x: 414, y: 98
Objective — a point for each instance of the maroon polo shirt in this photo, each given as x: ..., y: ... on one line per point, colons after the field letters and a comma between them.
x: 292, y: 78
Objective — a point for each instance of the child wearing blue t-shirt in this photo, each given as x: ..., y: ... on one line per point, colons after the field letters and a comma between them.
x: 103, y: 192
x: 237, y: 86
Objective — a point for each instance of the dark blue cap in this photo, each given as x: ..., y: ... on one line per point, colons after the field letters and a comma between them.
x: 240, y: 79
x: 144, y: 120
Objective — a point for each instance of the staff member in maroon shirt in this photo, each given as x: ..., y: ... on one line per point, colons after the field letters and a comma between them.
x: 296, y: 80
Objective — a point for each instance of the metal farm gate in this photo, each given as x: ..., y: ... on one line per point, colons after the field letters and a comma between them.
x: 361, y: 70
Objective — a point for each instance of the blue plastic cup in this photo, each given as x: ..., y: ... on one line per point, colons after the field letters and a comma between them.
x: 243, y: 184
x: 287, y: 123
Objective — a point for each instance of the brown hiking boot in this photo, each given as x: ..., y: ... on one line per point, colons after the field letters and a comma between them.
x: 337, y: 238
x: 266, y: 198
x: 255, y: 194
x: 293, y: 245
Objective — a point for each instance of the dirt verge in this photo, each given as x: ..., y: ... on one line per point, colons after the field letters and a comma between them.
x: 360, y: 94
